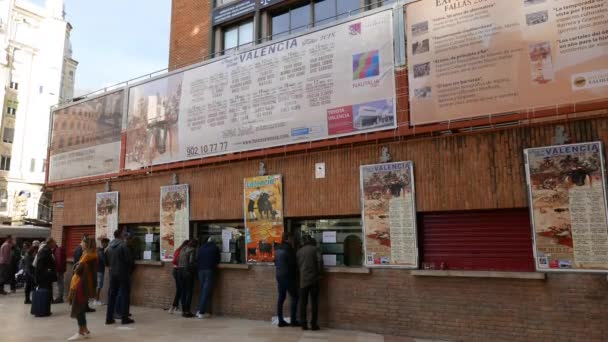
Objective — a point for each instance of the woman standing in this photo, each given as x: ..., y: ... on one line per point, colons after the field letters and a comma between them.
x: 28, y: 269
x: 179, y: 287
x: 83, y: 286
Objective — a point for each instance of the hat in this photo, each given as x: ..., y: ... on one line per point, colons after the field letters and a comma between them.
x: 35, y: 243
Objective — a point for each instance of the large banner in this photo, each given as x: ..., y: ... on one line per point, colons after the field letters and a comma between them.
x: 85, y: 138
x: 106, y: 215
x: 567, y: 191
x: 263, y: 204
x: 389, y: 215
x: 174, y: 218
x: 335, y: 82
x: 469, y: 58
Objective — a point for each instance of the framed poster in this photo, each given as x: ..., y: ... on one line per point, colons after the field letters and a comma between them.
x: 567, y: 194
x: 388, y: 205
x: 174, y: 218
x: 106, y: 215
x: 263, y: 206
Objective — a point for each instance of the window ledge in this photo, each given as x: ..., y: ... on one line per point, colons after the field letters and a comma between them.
x: 480, y: 274
x: 355, y: 270
x: 233, y: 266
x: 149, y: 263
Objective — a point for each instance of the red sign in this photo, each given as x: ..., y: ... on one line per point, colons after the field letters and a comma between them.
x: 340, y: 120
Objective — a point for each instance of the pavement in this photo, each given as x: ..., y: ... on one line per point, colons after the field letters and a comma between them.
x: 16, y: 324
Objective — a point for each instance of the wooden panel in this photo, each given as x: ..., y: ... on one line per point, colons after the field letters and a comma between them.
x: 457, y: 172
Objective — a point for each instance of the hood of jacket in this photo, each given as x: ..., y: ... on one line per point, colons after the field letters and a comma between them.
x: 115, y: 243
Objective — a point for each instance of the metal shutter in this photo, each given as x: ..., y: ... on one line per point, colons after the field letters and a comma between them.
x: 73, y: 236
x: 498, y: 240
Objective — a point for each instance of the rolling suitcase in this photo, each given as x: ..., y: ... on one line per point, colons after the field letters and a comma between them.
x: 41, y: 303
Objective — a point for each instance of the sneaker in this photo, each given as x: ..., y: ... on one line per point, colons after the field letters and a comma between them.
x: 177, y: 312
x: 127, y: 321
x: 207, y: 315
x: 315, y: 328
x: 110, y: 321
x: 77, y: 337
x: 283, y: 324
x: 187, y: 314
x: 171, y: 310
x: 294, y: 323
x: 200, y: 316
x: 88, y: 309
x: 3, y: 293
x: 304, y: 327
x: 27, y: 301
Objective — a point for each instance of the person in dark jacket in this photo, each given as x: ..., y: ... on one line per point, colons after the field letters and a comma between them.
x: 120, y: 261
x: 310, y: 273
x: 208, y: 259
x: 28, y: 269
x: 45, y: 272
x: 60, y: 266
x: 187, y: 269
x: 15, y: 260
x: 286, y: 274
x: 101, y: 268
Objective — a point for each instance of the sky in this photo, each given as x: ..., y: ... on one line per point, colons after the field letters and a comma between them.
x: 117, y: 40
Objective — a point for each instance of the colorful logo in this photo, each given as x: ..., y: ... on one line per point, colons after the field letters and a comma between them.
x: 354, y: 29
x: 366, y: 65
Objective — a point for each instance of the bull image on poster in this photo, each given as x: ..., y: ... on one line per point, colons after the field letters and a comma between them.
x: 263, y: 204
x: 567, y: 195
x: 106, y: 215
x: 389, y: 215
x: 174, y: 218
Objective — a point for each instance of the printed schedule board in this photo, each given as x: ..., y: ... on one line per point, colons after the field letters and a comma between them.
x: 174, y: 218
x: 329, y: 83
x: 106, y: 215
x: 567, y: 193
x: 389, y: 215
x: 470, y: 58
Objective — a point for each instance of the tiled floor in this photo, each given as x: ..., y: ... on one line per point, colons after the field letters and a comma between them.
x: 16, y: 324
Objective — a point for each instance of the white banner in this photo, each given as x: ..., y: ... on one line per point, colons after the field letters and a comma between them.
x: 334, y: 82
x: 106, y: 215
x: 85, y: 138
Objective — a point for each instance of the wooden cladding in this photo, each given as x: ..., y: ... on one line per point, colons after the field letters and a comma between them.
x: 459, y: 172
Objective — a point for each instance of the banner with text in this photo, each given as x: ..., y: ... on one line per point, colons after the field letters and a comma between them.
x: 263, y: 204
x: 567, y: 191
x: 85, y: 138
x: 334, y: 82
x: 389, y: 215
x: 174, y: 218
x: 469, y: 58
x: 106, y: 215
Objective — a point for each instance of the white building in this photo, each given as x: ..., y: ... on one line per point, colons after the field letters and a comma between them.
x: 36, y: 71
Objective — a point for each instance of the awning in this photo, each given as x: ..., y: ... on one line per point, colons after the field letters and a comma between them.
x: 25, y: 232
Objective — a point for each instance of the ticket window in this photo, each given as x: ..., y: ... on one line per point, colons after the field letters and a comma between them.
x: 229, y: 237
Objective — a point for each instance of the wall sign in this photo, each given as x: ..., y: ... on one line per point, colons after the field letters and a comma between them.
x: 106, y: 214
x: 233, y: 10
x: 389, y: 215
x: 174, y: 218
x: 567, y: 193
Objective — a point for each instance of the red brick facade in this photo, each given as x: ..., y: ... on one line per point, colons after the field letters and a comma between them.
x: 190, y: 26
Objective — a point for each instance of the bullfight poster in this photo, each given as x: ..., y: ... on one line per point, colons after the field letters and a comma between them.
x: 567, y: 193
x: 263, y: 202
x: 389, y: 215
x: 174, y: 218
x: 106, y: 215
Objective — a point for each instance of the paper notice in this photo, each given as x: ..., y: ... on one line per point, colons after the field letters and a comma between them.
x: 147, y: 255
x: 329, y: 260
x: 225, y: 257
x: 149, y: 238
x: 226, y: 237
x: 329, y: 237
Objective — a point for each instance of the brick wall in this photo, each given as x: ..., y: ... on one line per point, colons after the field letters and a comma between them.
x: 190, y: 25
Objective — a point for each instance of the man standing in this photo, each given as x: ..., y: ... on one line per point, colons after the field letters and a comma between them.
x: 101, y: 268
x: 286, y: 273
x: 60, y: 266
x: 15, y: 261
x: 310, y: 273
x: 208, y: 259
x: 120, y: 261
x: 45, y: 271
x: 5, y: 263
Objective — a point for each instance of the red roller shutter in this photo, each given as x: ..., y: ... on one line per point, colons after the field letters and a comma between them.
x: 73, y: 236
x: 478, y: 240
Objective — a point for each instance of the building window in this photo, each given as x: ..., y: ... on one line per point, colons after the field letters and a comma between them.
x: 3, y: 199
x: 11, y: 111
x: 233, y: 249
x: 14, y: 85
x: 340, y: 240
x: 238, y: 36
x: 292, y: 21
x: 137, y: 236
x: 9, y: 134
x: 5, y: 163
x: 33, y: 165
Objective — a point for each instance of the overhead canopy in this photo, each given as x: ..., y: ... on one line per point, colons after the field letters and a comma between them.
x: 25, y: 232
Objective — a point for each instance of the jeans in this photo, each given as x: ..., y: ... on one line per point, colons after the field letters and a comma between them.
x: 82, y: 320
x: 187, y: 281
x: 179, y: 287
x: 287, y: 285
x: 60, y: 286
x: 29, y: 286
x: 117, y: 284
x: 206, y: 279
x: 313, y: 291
